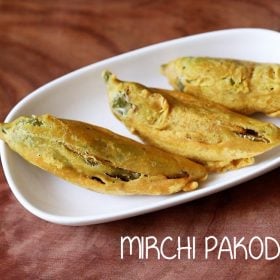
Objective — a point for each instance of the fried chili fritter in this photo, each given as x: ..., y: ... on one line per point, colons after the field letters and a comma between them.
x: 188, y: 126
x: 99, y: 159
x: 243, y: 86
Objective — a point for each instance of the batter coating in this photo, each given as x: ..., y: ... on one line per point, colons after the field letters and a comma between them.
x: 99, y: 159
x: 243, y: 86
x: 185, y: 125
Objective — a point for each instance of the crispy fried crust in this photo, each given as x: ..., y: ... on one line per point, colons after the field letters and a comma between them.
x: 98, y: 159
x: 185, y: 125
x: 242, y: 86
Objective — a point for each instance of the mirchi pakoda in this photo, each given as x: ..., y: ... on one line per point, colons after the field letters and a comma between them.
x: 183, y: 124
x: 243, y: 86
x: 98, y: 159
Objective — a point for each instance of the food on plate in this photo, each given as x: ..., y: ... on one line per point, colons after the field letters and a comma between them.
x: 99, y: 159
x: 243, y: 86
x: 183, y: 124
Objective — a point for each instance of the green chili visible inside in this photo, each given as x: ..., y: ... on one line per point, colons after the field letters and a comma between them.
x: 34, y: 122
x: 121, y: 104
x: 124, y: 175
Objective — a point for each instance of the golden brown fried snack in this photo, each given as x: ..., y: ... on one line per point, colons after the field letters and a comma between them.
x: 98, y: 159
x: 185, y: 125
x: 242, y: 86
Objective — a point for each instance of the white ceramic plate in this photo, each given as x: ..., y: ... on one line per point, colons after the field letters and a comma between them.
x: 81, y: 95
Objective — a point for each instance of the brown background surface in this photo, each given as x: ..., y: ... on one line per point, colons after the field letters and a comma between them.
x: 42, y: 40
